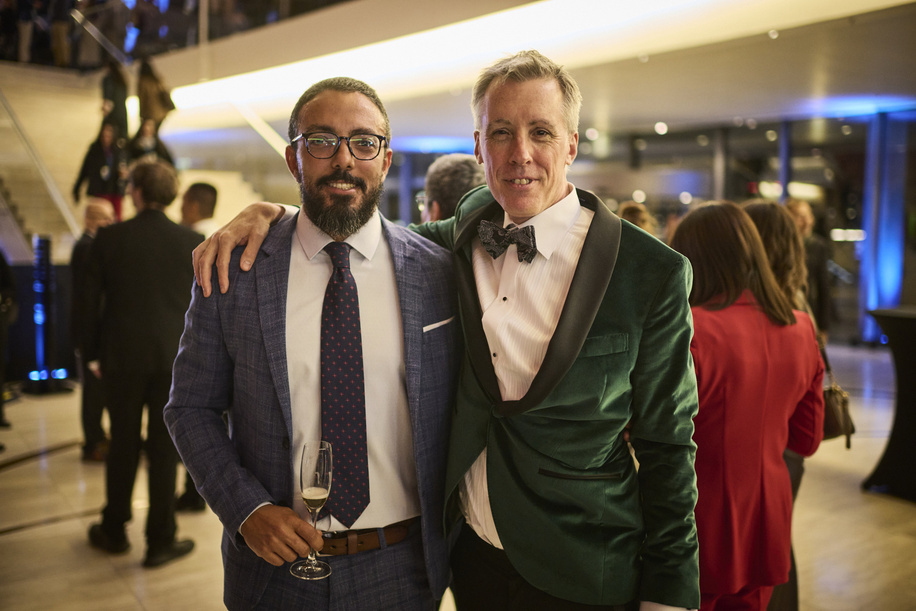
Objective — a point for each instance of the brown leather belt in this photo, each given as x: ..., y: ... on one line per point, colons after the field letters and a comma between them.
x: 346, y: 542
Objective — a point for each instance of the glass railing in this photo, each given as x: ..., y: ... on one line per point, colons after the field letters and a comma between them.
x: 132, y: 29
x: 31, y: 199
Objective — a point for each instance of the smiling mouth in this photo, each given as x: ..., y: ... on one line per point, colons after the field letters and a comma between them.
x: 343, y: 186
x: 342, y: 181
x: 521, y: 181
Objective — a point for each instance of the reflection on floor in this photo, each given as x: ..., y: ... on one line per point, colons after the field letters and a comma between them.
x: 855, y: 550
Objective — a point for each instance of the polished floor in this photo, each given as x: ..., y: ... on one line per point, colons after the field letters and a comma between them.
x: 856, y: 550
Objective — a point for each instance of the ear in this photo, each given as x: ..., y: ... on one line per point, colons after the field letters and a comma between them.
x: 573, y: 148
x: 435, y: 212
x: 477, y: 153
x: 292, y: 162
x: 386, y: 162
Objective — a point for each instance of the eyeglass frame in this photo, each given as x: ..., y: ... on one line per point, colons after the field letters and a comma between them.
x: 304, y: 137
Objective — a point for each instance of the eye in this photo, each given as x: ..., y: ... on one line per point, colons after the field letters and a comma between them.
x: 499, y: 134
x: 368, y: 143
x: 321, y: 140
x: 542, y: 134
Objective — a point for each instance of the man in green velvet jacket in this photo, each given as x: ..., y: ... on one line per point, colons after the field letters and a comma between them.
x: 538, y: 464
x: 576, y: 330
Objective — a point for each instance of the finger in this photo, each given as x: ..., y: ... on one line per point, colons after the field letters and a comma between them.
x: 223, y: 255
x: 276, y: 549
x: 251, y: 251
x: 291, y: 555
x: 311, y: 536
x: 273, y: 559
x: 203, y: 263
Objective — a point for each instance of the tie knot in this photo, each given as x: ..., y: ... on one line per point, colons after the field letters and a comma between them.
x: 339, y: 253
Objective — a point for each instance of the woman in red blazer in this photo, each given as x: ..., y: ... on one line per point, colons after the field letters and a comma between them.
x: 759, y: 377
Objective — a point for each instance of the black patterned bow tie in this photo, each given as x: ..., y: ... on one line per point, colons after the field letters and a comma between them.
x: 496, y: 240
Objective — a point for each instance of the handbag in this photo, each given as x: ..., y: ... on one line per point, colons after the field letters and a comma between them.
x: 837, y: 420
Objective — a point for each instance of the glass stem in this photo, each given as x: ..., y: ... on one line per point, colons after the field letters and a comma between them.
x: 313, y: 559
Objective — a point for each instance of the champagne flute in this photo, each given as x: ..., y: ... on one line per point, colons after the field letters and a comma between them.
x: 315, y: 484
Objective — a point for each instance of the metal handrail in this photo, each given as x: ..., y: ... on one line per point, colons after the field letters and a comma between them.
x: 93, y: 31
x: 56, y: 196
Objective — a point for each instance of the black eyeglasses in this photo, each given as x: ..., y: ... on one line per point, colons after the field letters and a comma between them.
x: 324, y: 145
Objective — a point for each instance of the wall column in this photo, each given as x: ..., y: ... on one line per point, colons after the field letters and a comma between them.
x: 883, y: 220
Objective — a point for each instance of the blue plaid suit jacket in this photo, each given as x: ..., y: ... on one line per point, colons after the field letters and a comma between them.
x: 233, y: 358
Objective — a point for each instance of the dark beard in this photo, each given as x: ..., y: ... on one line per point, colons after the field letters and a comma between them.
x: 335, y: 214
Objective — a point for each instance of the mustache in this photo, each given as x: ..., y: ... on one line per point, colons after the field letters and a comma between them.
x: 342, y: 176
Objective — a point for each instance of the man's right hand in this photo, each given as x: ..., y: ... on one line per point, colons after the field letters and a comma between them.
x: 249, y: 227
x: 277, y: 534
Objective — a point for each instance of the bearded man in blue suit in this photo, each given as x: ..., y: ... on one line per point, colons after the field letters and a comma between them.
x: 253, y: 352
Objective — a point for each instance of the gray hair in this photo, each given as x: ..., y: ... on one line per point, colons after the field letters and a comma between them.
x: 528, y: 66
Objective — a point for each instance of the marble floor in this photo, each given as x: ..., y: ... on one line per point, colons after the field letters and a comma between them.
x: 855, y: 550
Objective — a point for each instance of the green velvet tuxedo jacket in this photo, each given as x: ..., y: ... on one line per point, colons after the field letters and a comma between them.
x: 574, y: 515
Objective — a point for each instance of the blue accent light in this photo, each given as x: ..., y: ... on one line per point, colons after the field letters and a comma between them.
x: 432, y: 144
x: 678, y: 181
x: 39, y: 315
x: 34, y: 375
x: 59, y: 374
x: 858, y: 105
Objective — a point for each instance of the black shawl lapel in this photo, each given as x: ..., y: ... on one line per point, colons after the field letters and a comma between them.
x: 478, y: 350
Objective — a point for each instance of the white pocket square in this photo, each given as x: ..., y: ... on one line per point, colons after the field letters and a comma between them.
x: 436, y: 325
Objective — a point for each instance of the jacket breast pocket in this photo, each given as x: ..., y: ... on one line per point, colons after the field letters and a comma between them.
x: 605, y: 344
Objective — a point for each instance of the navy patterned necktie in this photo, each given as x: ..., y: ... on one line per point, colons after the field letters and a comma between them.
x: 343, y: 397
x: 496, y: 240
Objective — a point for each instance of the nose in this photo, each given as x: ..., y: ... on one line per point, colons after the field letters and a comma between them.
x: 343, y: 158
x: 520, y: 154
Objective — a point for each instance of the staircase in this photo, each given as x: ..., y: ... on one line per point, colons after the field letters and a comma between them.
x: 50, y: 118
x: 48, y: 121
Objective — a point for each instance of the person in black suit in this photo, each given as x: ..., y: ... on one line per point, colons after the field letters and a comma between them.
x: 99, y: 213
x: 139, y: 282
x: 8, y: 310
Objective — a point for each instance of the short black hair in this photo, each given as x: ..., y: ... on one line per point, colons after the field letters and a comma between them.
x: 343, y: 84
x: 205, y: 195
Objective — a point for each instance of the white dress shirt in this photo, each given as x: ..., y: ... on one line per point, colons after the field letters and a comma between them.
x: 521, y: 305
x: 393, y: 491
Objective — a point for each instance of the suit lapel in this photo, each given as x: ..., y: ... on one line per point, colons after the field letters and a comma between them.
x: 272, y: 281
x: 478, y: 349
x: 409, y: 279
